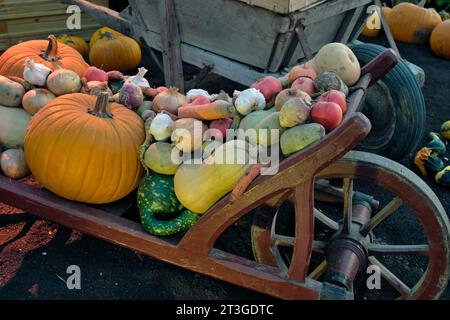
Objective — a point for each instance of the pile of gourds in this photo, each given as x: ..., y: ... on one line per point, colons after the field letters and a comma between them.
x: 108, y: 49
x: 431, y: 159
x: 60, y: 120
x: 189, y: 138
x: 87, y: 134
x: 413, y: 23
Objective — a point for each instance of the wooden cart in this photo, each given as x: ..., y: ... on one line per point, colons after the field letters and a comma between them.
x: 322, y: 173
x: 242, y: 40
x: 245, y: 40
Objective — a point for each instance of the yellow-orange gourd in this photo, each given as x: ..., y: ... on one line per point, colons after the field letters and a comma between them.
x: 373, y: 25
x: 100, y: 33
x: 44, y: 52
x: 83, y: 148
x: 411, y: 23
x: 74, y: 42
x: 440, y: 40
x: 114, y: 52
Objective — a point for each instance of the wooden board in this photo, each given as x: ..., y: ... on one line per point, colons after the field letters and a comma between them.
x: 22, y: 20
x: 227, y: 27
x: 281, y: 6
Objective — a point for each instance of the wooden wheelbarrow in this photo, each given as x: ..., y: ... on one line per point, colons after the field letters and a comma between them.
x: 305, y: 178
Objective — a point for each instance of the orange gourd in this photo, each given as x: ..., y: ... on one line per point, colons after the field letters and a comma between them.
x: 373, y: 22
x: 84, y: 148
x: 411, y: 23
x: 100, y: 34
x: 115, y: 52
x: 43, y: 52
x: 74, y: 42
x: 440, y: 40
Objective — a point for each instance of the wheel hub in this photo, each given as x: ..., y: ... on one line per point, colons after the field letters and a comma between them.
x: 347, y: 253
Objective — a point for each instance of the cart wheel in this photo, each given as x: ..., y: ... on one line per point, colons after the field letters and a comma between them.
x: 407, y: 238
x: 395, y: 107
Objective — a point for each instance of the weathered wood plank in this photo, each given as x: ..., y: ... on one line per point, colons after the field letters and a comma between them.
x: 281, y: 6
x: 170, y: 35
x: 229, y: 28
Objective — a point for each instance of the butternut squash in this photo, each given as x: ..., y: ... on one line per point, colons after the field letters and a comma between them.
x: 199, y: 186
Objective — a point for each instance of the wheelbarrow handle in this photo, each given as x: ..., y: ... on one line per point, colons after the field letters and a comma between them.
x: 380, y: 66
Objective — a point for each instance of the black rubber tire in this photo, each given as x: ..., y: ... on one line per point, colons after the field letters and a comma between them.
x: 407, y: 97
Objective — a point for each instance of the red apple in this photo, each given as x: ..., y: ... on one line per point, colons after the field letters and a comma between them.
x: 335, y: 96
x: 222, y: 125
x: 304, y: 84
x: 301, y: 71
x: 269, y: 87
x: 328, y: 114
x: 95, y: 74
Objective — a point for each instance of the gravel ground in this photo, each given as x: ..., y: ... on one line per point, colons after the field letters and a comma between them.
x: 34, y: 254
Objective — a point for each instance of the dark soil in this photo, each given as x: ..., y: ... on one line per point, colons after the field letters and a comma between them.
x: 34, y: 255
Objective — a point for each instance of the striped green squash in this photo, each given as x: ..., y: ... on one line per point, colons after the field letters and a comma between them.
x: 161, y: 212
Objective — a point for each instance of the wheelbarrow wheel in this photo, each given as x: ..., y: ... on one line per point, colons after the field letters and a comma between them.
x: 395, y: 106
x: 406, y: 238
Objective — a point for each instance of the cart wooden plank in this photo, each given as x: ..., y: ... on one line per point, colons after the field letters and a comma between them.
x: 281, y: 6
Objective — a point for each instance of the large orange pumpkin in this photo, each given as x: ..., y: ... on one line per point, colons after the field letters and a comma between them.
x: 84, y: 148
x: 75, y: 42
x: 44, y: 52
x: 115, y: 52
x: 440, y: 40
x: 411, y: 23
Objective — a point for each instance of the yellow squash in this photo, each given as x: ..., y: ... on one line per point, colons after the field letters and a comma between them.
x: 199, y: 186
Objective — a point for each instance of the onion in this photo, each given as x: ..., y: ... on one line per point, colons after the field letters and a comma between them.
x: 95, y: 87
x: 35, y: 99
x: 169, y: 100
x: 63, y: 81
x: 194, y: 93
x: 249, y: 100
x: 161, y: 127
x: 139, y: 79
x: 187, y: 134
x: 131, y: 95
x: 13, y: 164
x: 35, y: 73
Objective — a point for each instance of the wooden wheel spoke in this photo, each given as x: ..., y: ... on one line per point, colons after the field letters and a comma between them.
x: 319, y: 271
x: 330, y: 223
x: 398, y: 250
x: 348, y: 205
x: 384, y: 213
x: 391, y: 278
x: 286, y: 241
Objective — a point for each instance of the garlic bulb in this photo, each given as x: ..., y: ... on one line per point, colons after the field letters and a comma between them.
x: 139, y: 79
x: 194, y: 93
x: 161, y: 127
x: 249, y: 100
x: 35, y: 73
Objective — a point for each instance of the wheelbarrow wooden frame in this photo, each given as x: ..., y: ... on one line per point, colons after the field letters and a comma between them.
x: 195, y: 250
x: 297, y: 36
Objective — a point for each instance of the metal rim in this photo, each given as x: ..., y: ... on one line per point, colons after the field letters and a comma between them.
x: 408, y: 189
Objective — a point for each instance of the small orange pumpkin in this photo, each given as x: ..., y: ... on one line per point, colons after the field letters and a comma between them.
x: 83, y: 148
x: 44, y: 52
x: 440, y: 40
x: 371, y: 30
x: 411, y: 23
x: 75, y: 42
x: 113, y: 52
x: 100, y: 34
